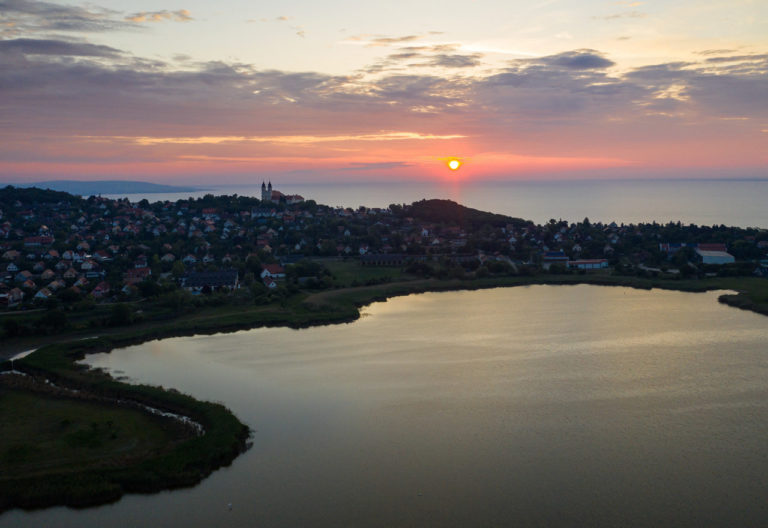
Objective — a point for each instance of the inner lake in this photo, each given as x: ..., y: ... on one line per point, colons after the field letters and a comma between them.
x: 529, y: 406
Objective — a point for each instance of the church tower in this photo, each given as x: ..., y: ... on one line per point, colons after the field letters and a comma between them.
x: 266, y: 196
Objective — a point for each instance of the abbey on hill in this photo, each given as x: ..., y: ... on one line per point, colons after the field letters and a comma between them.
x: 272, y: 196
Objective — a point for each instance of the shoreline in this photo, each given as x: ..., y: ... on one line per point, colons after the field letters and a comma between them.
x: 226, y: 437
x: 329, y: 309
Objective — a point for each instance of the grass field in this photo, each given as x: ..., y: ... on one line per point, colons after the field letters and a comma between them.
x: 350, y: 273
x: 44, y: 434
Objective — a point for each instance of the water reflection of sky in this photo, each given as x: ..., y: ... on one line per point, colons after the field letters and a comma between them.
x: 540, y: 405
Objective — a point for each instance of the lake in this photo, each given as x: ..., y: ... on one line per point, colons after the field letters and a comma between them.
x: 530, y: 406
x: 704, y: 202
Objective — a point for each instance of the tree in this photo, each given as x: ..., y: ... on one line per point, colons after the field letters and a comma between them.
x: 12, y: 328
x: 121, y: 314
x: 53, y: 321
x: 178, y: 269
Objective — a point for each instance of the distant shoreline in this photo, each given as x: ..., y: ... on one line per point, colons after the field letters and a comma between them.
x: 99, y: 187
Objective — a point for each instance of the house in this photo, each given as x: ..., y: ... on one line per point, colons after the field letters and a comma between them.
x: 43, y: 294
x: 274, y: 271
x: 553, y: 257
x: 23, y: 276
x: 588, y: 264
x: 135, y: 275
x: 712, y: 247
x: 56, y: 285
x: 129, y: 290
x: 671, y: 247
x: 15, y: 296
x: 88, y: 265
x: 37, y: 241
x: 102, y: 256
x: 715, y: 257
x: 100, y: 290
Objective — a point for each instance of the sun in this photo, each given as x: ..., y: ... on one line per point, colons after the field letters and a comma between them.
x: 454, y: 164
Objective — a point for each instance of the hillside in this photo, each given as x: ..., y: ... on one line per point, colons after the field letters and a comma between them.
x: 447, y: 211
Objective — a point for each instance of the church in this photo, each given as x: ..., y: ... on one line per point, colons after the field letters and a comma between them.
x: 270, y: 196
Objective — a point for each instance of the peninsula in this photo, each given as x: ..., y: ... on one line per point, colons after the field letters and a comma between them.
x: 98, y: 187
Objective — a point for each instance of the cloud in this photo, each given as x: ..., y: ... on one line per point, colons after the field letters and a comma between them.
x: 68, y: 100
x: 715, y: 52
x: 720, y: 87
x: 431, y: 56
x: 455, y: 60
x: 376, y: 41
x: 389, y: 41
x: 357, y: 166
x: 616, y: 16
x: 584, y: 59
x: 31, y: 16
x: 181, y: 15
x: 56, y: 47
x: 756, y: 58
x: 288, y: 140
x: 299, y: 30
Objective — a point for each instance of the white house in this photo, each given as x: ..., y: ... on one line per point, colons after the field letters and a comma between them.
x: 715, y: 257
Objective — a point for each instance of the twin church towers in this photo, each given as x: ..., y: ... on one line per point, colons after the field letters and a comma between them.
x: 266, y: 192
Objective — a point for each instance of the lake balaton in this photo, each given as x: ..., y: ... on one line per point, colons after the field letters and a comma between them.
x: 529, y: 406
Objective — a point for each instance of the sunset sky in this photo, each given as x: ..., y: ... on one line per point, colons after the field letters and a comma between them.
x: 298, y: 91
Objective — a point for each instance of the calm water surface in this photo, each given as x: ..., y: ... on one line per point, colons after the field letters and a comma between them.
x: 530, y: 406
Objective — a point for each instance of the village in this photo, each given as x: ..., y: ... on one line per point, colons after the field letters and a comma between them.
x: 59, y: 251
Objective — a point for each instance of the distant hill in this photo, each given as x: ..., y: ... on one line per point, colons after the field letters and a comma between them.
x: 448, y: 211
x: 9, y: 195
x: 88, y: 188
